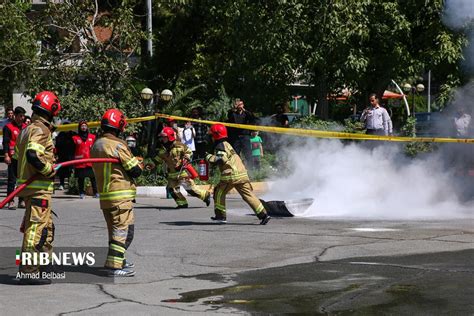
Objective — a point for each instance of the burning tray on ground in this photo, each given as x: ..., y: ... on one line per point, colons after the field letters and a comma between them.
x: 287, y: 208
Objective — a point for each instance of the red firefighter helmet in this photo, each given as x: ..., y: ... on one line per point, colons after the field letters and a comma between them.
x: 114, y: 118
x: 168, y: 132
x: 218, y: 131
x: 48, y: 102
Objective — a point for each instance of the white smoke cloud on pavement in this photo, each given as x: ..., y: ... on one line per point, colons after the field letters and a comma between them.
x: 352, y: 181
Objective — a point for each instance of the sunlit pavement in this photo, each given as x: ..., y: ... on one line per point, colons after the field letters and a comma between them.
x: 187, y: 265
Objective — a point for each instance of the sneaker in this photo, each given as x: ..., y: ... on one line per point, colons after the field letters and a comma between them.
x: 122, y: 272
x: 182, y: 206
x: 21, y: 204
x: 96, y: 196
x: 265, y: 220
x: 34, y: 281
x: 128, y: 265
x: 11, y: 206
x: 61, y: 187
x: 219, y: 220
x: 207, y: 200
x: 82, y: 196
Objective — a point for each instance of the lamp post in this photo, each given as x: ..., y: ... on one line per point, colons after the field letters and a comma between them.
x: 413, y: 89
x: 146, y: 96
x: 165, y: 96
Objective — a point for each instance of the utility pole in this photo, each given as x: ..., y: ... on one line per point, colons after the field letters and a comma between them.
x: 429, y: 91
x: 149, y: 28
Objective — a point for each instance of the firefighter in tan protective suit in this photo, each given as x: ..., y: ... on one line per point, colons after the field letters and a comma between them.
x: 34, y: 153
x: 233, y: 175
x: 175, y: 154
x: 116, y: 190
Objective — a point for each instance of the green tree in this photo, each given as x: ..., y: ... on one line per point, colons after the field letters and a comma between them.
x: 87, y: 47
x: 18, y: 58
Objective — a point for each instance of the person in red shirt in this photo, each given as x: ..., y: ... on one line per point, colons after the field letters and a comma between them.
x: 84, y: 141
x: 11, y: 131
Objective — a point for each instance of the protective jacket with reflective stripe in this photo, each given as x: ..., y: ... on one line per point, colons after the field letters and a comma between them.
x: 115, y: 186
x: 173, y: 158
x: 36, y: 137
x: 229, y: 163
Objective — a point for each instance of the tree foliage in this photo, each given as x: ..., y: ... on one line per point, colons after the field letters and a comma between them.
x: 256, y: 49
x: 250, y: 49
x: 18, y: 58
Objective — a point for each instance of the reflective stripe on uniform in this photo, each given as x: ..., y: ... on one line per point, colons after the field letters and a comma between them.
x: 117, y: 195
x: 131, y: 163
x: 235, y: 176
x: 31, y: 236
x: 39, y: 184
x: 107, y: 172
x: 219, y: 207
x: 117, y: 248
x: 114, y: 260
x: 259, y: 209
x: 173, y: 175
x: 181, y: 202
x: 36, y: 147
x: 47, y: 169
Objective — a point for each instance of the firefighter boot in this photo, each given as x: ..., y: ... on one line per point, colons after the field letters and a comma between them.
x: 207, y: 199
x: 263, y: 217
x: 220, y: 217
x: 39, y: 281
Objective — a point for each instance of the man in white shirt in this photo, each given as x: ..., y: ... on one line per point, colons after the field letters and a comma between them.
x: 376, y: 118
x: 462, y: 122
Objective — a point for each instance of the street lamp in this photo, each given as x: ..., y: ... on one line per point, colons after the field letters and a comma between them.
x: 166, y: 95
x: 413, y: 89
x: 146, y: 94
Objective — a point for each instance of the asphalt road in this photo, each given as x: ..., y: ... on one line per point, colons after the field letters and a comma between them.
x: 187, y: 265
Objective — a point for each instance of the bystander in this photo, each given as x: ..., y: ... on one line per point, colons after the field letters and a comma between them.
x: 201, y: 138
x: 240, y: 138
x: 376, y: 118
x: 11, y: 131
x: 64, y: 149
x: 257, y: 149
x: 84, y: 141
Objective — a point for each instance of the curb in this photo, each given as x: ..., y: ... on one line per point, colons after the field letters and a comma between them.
x: 160, y: 191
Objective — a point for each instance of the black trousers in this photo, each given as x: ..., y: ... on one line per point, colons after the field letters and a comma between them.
x: 11, y: 181
x: 241, y: 144
x: 82, y: 174
x: 379, y: 132
x: 200, y: 152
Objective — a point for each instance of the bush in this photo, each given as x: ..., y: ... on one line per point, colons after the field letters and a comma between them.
x: 413, y: 149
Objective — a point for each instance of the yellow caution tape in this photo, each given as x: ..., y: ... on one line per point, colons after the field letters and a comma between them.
x: 326, y: 134
x: 286, y: 131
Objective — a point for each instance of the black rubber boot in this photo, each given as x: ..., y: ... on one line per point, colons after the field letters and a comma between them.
x: 264, y: 217
x: 220, y: 217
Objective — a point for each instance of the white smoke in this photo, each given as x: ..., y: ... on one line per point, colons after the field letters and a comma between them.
x: 459, y: 15
x: 353, y: 181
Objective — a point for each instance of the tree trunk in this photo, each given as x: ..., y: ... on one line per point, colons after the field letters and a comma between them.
x: 321, y: 94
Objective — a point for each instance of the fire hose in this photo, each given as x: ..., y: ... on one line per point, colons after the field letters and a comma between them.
x: 56, y: 167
